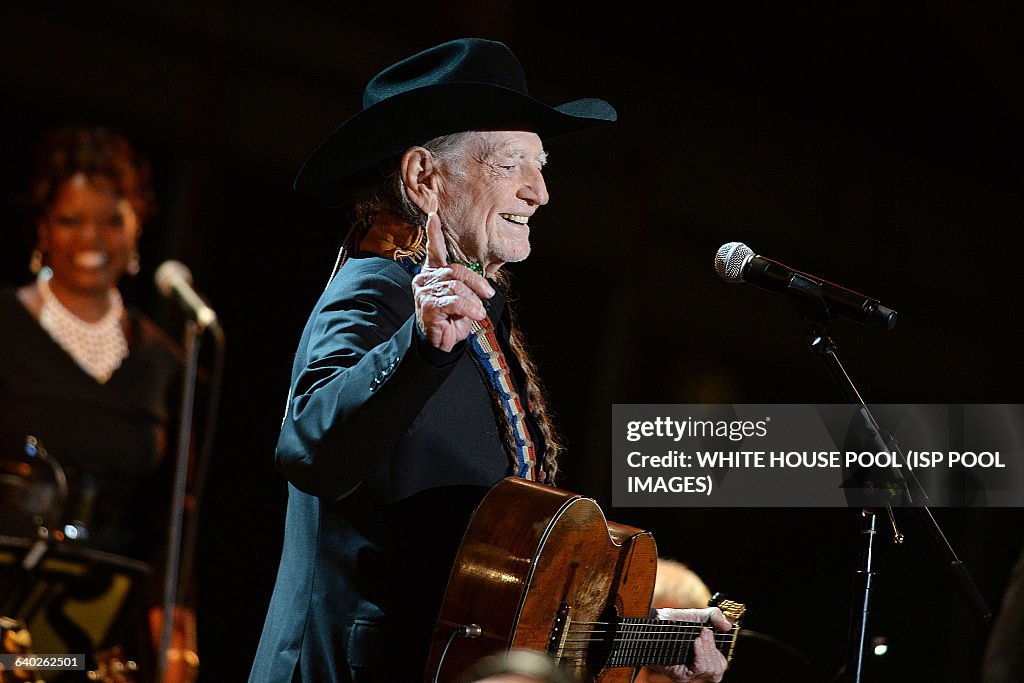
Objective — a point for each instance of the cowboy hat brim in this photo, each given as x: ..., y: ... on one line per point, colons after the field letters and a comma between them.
x: 392, y: 125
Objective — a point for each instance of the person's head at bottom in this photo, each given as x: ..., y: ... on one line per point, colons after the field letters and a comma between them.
x: 516, y: 666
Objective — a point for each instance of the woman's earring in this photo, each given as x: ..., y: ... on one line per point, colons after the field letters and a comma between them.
x: 134, y: 264
x: 35, y: 262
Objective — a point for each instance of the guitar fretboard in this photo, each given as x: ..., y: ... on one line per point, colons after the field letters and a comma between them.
x: 638, y: 642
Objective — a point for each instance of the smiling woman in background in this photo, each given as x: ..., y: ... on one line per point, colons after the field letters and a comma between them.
x: 95, y: 383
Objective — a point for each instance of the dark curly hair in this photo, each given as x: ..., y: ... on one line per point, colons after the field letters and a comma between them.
x: 93, y: 151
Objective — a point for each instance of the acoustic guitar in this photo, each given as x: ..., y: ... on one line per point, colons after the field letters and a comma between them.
x: 542, y: 568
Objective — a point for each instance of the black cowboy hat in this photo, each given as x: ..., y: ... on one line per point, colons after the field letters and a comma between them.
x: 460, y: 85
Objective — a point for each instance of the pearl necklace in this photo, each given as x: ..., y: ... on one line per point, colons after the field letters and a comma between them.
x: 99, y: 347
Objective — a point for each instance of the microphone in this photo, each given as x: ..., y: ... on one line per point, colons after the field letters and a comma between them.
x: 174, y: 280
x: 736, y: 262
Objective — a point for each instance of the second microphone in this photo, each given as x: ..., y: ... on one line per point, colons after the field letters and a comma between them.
x: 736, y: 262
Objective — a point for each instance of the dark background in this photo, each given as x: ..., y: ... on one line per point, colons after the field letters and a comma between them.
x: 876, y: 146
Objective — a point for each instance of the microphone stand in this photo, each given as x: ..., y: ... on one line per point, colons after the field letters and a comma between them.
x: 192, y: 335
x: 202, y: 464
x: 813, y: 309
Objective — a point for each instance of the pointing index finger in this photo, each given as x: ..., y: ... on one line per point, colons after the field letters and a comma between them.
x: 437, y: 252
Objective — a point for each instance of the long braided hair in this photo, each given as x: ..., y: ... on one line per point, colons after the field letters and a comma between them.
x: 387, y: 193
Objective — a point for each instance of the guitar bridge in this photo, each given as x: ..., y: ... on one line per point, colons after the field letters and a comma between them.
x: 559, y: 631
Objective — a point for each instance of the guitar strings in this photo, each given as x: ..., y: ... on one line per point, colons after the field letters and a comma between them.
x: 583, y: 633
x: 652, y: 637
x: 661, y: 628
x: 587, y: 642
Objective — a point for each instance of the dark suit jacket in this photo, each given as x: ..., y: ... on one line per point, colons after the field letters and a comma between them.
x: 388, y: 444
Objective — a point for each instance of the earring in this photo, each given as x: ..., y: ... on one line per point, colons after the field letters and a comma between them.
x: 134, y: 266
x: 35, y: 262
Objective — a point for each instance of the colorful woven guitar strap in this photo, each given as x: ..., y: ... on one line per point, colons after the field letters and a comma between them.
x: 487, y: 350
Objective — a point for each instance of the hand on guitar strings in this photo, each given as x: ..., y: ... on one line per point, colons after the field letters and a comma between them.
x: 708, y: 663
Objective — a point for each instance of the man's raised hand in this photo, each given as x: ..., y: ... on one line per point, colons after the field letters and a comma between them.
x: 448, y: 296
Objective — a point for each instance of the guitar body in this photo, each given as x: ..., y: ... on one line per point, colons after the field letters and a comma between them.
x: 534, y: 557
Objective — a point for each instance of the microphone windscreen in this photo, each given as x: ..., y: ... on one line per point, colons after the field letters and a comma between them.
x: 170, y: 272
x: 730, y: 259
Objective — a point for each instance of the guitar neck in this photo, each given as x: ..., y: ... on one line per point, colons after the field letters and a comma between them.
x: 639, y: 642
